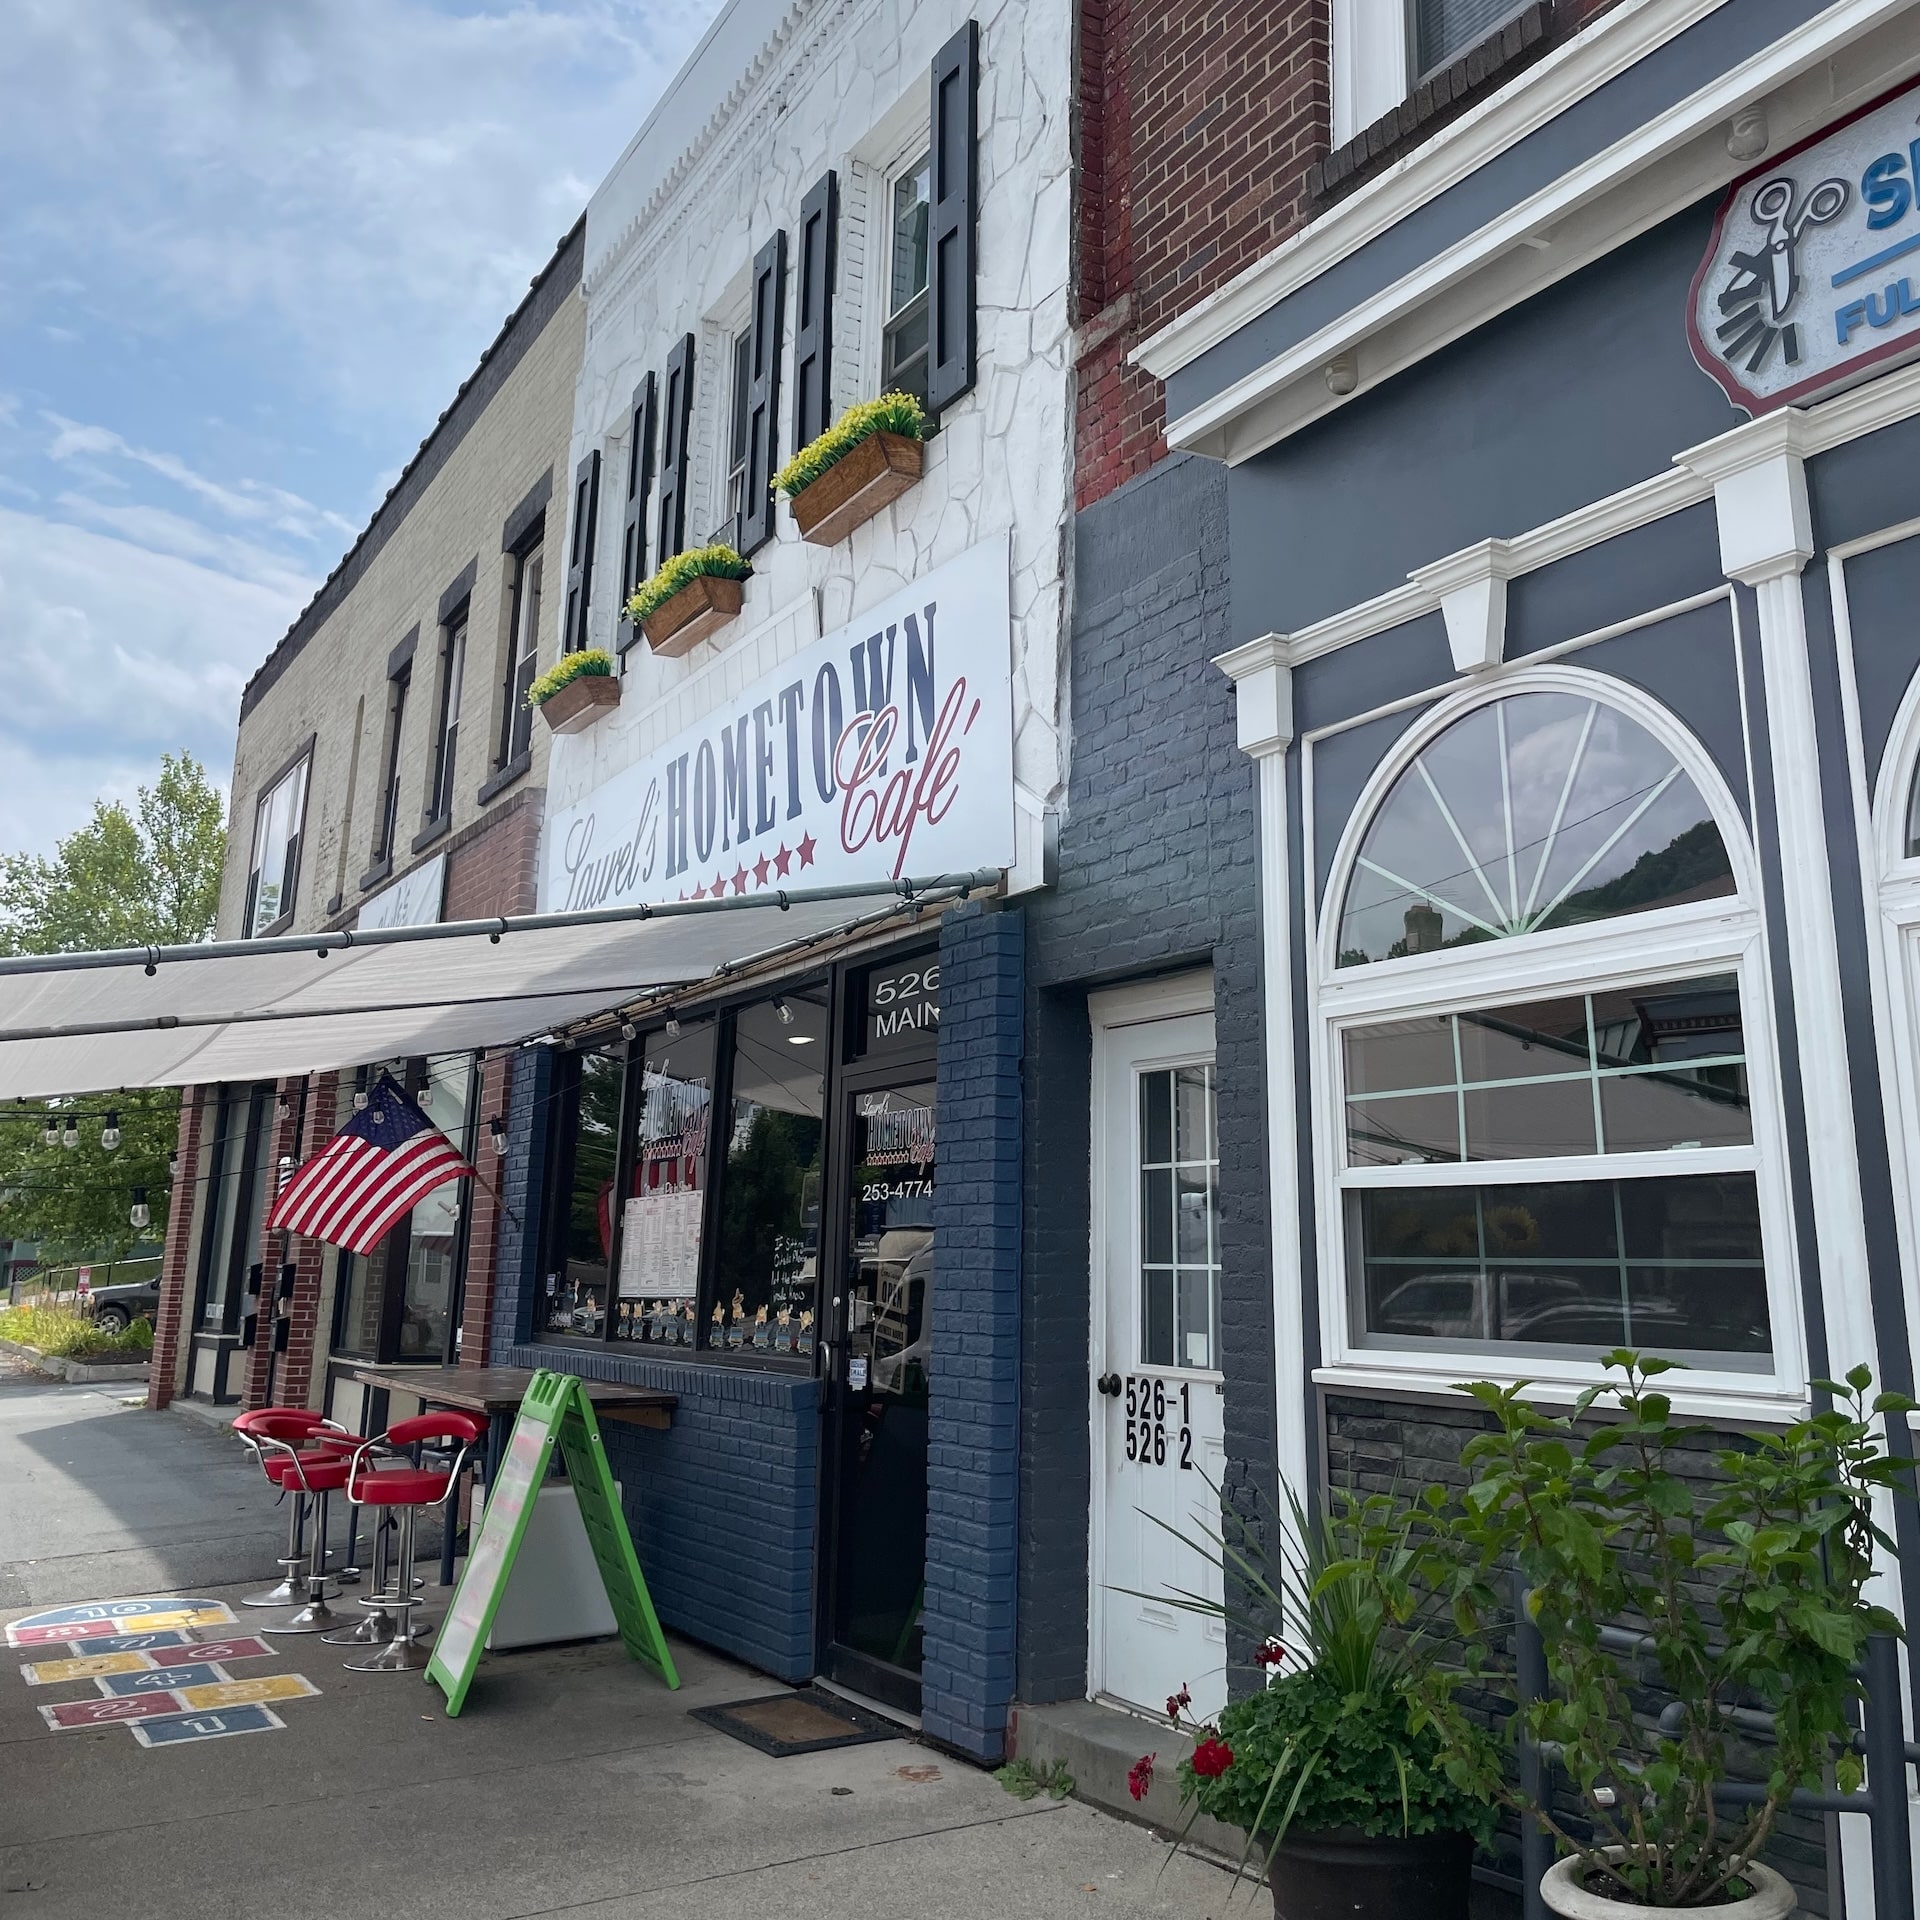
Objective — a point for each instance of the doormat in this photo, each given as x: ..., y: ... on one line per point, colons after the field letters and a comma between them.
x: 802, y: 1721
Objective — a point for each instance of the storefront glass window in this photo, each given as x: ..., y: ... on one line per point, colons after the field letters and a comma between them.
x: 1540, y: 810
x: 580, y: 1257
x: 433, y: 1228
x: 665, y: 1210
x: 764, y: 1292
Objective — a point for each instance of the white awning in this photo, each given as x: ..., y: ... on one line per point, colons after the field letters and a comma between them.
x: 305, y: 1003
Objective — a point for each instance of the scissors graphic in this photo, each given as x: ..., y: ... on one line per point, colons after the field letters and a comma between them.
x: 1773, y: 209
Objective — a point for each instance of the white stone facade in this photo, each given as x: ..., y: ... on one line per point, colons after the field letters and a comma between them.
x: 773, y: 98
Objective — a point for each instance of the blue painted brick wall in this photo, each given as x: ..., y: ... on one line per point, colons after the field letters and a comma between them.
x: 973, y: 1417
x: 723, y: 1506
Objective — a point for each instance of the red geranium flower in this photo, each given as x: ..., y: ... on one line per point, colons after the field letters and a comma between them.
x: 1140, y: 1776
x: 1269, y: 1655
x: 1212, y: 1757
x: 1175, y: 1701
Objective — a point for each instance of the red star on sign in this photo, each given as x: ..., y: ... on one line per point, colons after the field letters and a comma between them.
x: 739, y: 879
x: 699, y: 893
x: 806, y: 850
x: 782, y: 860
x: 719, y: 885
x: 760, y: 871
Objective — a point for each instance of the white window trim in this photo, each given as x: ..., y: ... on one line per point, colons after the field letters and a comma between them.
x: 1372, y: 62
x: 1891, y: 878
x: 300, y: 769
x: 874, y: 292
x: 1712, y: 936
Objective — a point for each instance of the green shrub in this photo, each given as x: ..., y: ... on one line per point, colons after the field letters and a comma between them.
x: 1307, y: 1756
x: 653, y: 594
x: 892, y: 413
x: 588, y: 663
x: 67, y: 1333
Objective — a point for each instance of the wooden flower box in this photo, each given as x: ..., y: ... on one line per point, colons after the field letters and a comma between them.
x: 580, y: 702
x: 875, y: 470
x: 703, y: 606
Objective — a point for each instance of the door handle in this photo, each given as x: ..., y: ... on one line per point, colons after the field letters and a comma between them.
x: 1109, y: 1383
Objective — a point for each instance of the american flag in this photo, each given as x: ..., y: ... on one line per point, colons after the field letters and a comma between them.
x: 385, y: 1158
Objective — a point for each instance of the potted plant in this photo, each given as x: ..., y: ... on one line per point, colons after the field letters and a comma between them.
x: 694, y: 594
x: 575, y: 690
x: 870, y: 455
x: 1742, y: 1593
x: 1336, y: 1770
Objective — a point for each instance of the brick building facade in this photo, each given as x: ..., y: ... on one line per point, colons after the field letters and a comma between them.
x: 386, y: 772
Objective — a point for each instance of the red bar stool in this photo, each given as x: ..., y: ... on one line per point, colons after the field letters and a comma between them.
x: 309, y: 1473
x: 301, y: 1428
x: 405, y: 1490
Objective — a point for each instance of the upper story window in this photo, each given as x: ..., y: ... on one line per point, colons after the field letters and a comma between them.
x: 522, y: 656
x: 274, y: 871
x: 739, y: 412
x: 903, y: 355
x: 387, y: 822
x: 1552, y: 1118
x: 1384, y: 49
x: 446, y: 729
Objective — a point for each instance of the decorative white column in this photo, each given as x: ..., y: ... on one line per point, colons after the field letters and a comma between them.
x: 1766, y: 539
x: 1263, y: 714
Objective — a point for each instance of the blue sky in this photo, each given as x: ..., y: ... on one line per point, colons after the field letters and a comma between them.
x: 248, y: 250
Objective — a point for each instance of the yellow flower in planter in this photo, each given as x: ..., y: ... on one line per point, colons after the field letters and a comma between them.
x: 566, y: 670
x: 654, y: 593
x: 892, y: 413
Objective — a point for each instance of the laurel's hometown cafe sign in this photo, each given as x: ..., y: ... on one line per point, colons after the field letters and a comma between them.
x: 883, y: 751
x: 1813, y: 276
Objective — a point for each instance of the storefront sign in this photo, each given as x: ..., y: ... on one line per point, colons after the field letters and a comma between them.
x: 885, y: 749
x: 901, y: 1005
x: 416, y: 899
x: 1813, y: 275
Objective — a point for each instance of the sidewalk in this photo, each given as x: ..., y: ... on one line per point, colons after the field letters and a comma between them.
x: 573, y: 1782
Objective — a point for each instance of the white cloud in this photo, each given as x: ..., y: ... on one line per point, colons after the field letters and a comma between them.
x: 116, y: 653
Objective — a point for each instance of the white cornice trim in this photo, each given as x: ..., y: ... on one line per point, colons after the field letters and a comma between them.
x: 1468, y: 283
x: 1599, y: 53
x: 1693, y: 479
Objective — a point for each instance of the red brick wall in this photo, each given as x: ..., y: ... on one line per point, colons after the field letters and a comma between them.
x: 497, y: 871
x: 1199, y: 121
x: 283, y: 1138
x: 170, y: 1317
x: 294, y: 1384
x: 483, y: 1226
x: 1197, y: 126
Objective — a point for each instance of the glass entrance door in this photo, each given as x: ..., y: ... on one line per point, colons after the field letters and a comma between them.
x: 877, y: 1383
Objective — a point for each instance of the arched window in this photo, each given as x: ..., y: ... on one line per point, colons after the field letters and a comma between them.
x: 1541, y: 810
x: 1546, y: 1148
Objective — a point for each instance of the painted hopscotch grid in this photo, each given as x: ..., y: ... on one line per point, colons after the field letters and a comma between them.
x: 152, y: 1675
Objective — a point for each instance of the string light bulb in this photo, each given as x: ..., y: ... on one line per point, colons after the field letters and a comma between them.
x: 139, y: 1215
x: 497, y: 1132
x: 173, y: 1166
x: 628, y: 1030
x: 360, y: 1100
x: 110, y: 1134
x: 70, y: 1133
x: 51, y: 1137
x: 673, y: 1026
x: 783, y: 1013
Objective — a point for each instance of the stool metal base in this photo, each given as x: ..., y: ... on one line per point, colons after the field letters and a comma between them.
x: 315, y: 1617
x: 397, y: 1656
x: 375, y: 1630
x: 291, y: 1592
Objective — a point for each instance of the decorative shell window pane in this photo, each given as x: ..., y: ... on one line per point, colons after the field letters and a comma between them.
x: 1536, y: 811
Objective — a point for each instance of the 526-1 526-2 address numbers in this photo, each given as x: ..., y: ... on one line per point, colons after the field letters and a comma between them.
x: 1152, y: 1413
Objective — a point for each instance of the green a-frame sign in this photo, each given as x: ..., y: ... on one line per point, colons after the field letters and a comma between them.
x: 555, y: 1412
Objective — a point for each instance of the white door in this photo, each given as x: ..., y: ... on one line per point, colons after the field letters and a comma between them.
x: 1157, y: 1448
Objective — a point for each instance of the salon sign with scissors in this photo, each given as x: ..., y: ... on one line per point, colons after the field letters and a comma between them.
x: 1813, y: 275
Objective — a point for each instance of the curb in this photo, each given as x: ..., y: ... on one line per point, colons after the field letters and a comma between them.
x: 42, y: 1362
x: 82, y: 1372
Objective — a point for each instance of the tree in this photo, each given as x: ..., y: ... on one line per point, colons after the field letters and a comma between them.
x: 149, y: 877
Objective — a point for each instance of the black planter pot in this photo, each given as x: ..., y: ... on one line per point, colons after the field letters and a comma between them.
x: 1351, y: 1876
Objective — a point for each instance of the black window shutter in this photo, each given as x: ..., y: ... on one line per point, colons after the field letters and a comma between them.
x: 676, y: 413
x: 950, y: 243
x: 633, y: 527
x: 763, y: 395
x: 813, y: 311
x: 586, y: 516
